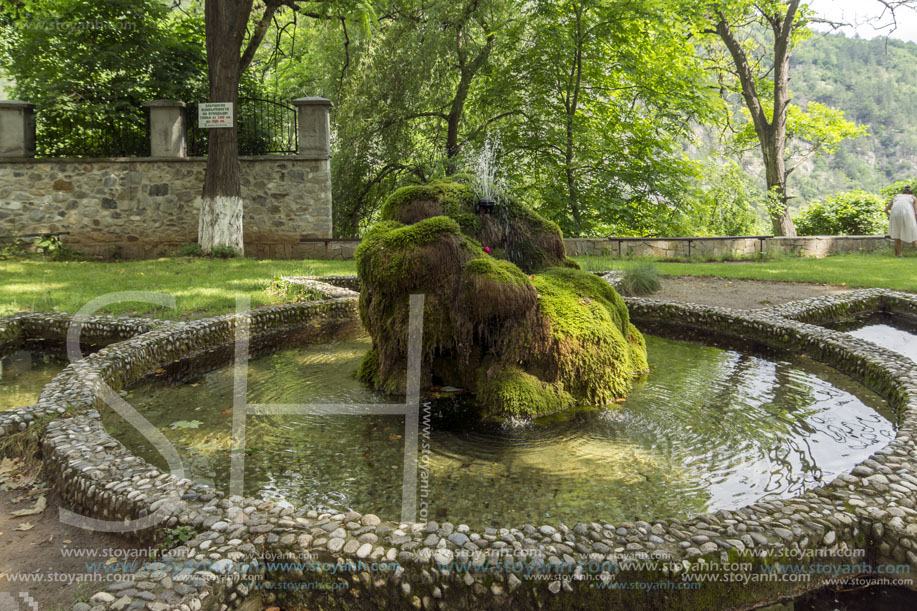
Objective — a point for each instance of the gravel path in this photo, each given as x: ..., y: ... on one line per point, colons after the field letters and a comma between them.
x: 738, y: 294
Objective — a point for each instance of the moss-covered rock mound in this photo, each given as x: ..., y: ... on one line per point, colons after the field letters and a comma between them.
x: 520, y: 325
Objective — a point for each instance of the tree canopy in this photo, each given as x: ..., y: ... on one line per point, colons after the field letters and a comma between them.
x: 597, y: 105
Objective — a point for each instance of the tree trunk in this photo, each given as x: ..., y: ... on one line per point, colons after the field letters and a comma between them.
x: 467, y: 72
x: 774, y: 142
x: 771, y: 132
x: 571, y: 104
x: 220, y: 222
x: 772, y: 147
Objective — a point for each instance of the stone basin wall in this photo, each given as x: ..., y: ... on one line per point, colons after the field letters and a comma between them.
x: 418, y: 565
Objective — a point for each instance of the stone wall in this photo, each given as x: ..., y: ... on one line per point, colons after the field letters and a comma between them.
x: 137, y: 208
x: 682, y: 248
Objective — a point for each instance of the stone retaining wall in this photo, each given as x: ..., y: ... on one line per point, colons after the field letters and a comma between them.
x: 872, y: 508
x: 704, y: 248
x: 140, y: 208
x: 810, y: 246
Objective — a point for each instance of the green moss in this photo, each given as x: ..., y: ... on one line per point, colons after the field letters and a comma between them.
x: 519, y: 233
x: 437, y: 198
x: 512, y: 391
x: 494, y: 289
x: 470, y: 223
x: 531, y: 345
x: 496, y: 270
x: 368, y: 372
x: 589, y: 286
x: 393, y: 253
x: 637, y: 349
x: 588, y: 349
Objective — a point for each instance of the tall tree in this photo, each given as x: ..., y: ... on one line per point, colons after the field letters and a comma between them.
x: 760, y: 36
x: 784, y: 20
x: 220, y: 222
x: 411, y: 97
x: 228, y: 28
x: 608, y: 88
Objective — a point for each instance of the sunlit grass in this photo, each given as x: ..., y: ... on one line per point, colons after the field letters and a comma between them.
x: 852, y: 270
x: 201, y: 287
x: 206, y: 287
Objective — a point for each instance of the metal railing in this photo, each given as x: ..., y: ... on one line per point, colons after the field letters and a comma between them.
x: 91, y: 135
x: 264, y: 126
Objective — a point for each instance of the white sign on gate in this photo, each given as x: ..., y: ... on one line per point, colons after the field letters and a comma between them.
x: 214, y: 114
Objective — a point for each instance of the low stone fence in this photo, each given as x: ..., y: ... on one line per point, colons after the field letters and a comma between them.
x: 447, y: 566
x: 715, y: 247
x: 665, y: 248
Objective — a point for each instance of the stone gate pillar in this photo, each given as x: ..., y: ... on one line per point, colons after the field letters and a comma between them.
x: 167, y: 128
x: 314, y: 127
x: 17, y: 129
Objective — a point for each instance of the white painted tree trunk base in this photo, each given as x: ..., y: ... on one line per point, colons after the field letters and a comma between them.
x: 221, y: 223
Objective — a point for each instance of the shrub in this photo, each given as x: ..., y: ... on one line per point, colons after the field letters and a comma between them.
x: 189, y: 250
x: 851, y: 213
x: 895, y: 188
x: 224, y: 252
x: 641, y: 280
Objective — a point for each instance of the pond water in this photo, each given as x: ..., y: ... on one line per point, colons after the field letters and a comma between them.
x: 22, y: 376
x: 892, y: 332
x: 708, y: 428
x: 855, y: 597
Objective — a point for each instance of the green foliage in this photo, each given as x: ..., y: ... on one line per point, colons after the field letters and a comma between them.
x: 725, y: 201
x: 189, y: 250
x: 14, y: 248
x: 292, y: 291
x: 889, y: 192
x: 853, y: 213
x: 224, y: 252
x: 49, y: 246
x: 52, y: 247
x: 817, y: 129
x: 89, y: 65
x: 641, y: 280
x: 403, y: 90
x: 179, y: 535
x: 598, y: 149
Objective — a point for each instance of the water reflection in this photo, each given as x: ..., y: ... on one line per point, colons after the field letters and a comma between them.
x: 887, y: 336
x: 22, y: 376
x: 707, y: 429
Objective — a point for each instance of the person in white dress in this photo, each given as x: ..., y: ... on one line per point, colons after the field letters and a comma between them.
x: 902, y: 219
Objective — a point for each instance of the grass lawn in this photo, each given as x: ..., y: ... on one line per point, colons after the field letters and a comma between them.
x: 853, y: 270
x: 201, y: 287
x: 207, y: 287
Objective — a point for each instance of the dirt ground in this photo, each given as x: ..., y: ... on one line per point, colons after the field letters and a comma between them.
x: 738, y: 294
x: 39, y: 546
